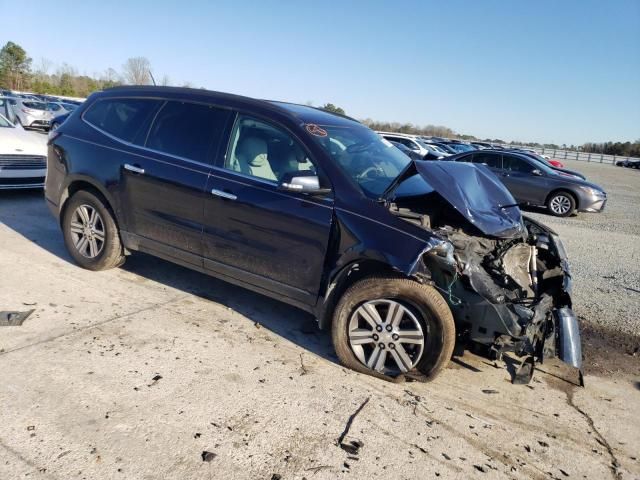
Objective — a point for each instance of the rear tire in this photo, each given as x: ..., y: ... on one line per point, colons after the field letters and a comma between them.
x: 90, y: 233
x: 561, y: 204
x: 422, y: 310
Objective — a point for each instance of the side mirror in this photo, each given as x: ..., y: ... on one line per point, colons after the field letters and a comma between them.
x: 536, y: 172
x: 302, y: 182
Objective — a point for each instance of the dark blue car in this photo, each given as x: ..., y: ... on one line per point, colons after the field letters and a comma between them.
x: 399, y: 258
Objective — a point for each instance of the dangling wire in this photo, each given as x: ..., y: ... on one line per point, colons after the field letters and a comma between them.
x: 453, y: 300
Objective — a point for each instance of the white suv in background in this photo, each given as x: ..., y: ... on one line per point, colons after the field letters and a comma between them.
x: 414, y: 143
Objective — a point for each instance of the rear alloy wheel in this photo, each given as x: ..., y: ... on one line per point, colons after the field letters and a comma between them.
x: 90, y: 233
x: 389, y: 326
x: 87, y: 231
x: 561, y: 204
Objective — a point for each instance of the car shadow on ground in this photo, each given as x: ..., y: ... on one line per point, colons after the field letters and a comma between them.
x: 26, y: 213
x: 286, y: 321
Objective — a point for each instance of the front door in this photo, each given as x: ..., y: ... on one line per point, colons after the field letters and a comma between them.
x: 255, y: 233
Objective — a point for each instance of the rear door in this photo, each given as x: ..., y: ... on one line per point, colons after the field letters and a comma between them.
x: 259, y: 235
x: 164, y: 189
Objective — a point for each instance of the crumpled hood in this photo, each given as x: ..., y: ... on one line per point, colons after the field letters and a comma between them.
x: 475, y: 192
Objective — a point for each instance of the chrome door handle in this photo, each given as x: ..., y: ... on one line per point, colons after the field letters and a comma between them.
x: 220, y: 193
x: 134, y: 169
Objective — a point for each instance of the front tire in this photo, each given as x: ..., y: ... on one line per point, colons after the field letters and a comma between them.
x: 91, y: 234
x: 392, y: 326
x: 561, y: 204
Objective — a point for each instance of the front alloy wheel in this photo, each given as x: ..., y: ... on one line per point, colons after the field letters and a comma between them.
x: 386, y: 336
x: 388, y: 325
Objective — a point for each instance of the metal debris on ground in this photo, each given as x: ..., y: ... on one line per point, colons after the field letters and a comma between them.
x: 14, y: 319
x: 207, y: 456
x: 353, y: 447
x: 303, y: 368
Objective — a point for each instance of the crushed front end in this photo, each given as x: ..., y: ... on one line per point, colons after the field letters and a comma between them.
x: 510, y: 295
x: 505, y: 277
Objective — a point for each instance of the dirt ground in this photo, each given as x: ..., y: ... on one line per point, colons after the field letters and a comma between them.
x: 152, y: 371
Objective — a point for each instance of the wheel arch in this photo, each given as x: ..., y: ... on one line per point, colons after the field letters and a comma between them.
x: 84, y: 184
x: 357, y: 270
x: 343, y: 279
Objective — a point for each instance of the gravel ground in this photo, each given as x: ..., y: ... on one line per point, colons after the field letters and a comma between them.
x: 604, y: 252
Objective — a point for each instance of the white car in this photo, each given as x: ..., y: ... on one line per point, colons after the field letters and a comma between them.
x: 415, y: 144
x: 23, y: 157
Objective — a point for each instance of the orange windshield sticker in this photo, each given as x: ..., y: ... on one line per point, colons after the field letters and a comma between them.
x: 314, y: 129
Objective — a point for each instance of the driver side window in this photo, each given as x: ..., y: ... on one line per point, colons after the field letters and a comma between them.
x: 259, y: 149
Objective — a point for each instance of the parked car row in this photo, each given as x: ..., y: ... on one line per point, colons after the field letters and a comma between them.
x: 400, y: 258
x: 35, y: 111
x: 40, y: 97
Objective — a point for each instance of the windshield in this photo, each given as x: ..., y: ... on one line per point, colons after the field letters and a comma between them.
x: 372, y: 162
x: 4, y: 123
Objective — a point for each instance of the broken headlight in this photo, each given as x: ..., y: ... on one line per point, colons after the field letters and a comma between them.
x: 444, y: 250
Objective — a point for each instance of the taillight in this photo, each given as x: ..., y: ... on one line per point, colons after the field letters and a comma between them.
x: 53, y: 134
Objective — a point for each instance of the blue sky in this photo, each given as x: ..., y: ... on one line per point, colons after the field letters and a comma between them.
x: 548, y: 71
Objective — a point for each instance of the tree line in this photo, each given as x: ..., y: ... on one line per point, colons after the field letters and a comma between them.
x: 17, y: 72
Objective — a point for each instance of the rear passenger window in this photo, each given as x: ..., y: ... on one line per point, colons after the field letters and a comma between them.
x: 124, y: 118
x: 188, y: 130
x: 493, y: 160
x: 516, y: 164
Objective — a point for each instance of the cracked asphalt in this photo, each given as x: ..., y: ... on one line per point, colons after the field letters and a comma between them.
x: 152, y: 371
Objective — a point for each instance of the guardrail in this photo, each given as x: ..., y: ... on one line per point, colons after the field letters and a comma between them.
x: 581, y: 156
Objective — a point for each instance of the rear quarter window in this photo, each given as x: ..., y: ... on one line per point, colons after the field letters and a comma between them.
x: 125, y: 118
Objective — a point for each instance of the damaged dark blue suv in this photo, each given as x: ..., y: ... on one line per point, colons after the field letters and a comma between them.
x: 399, y: 258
